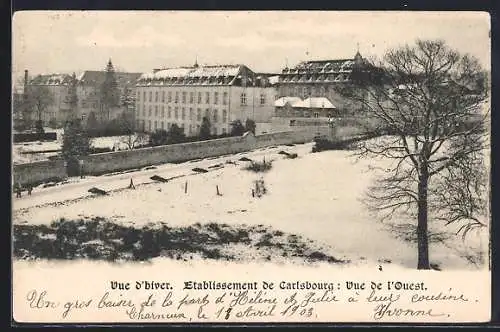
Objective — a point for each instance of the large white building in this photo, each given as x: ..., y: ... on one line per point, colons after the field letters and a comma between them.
x: 184, y: 95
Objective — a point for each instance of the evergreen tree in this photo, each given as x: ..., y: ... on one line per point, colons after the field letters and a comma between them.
x: 176, y: 134
x: 76, y: 144
x: 127, y: 99
x: 72, y: 98
x: 159, y: 137
x: 250, y: 125
x: 237, y: 128
x: 110, y: 94
x: 205, y: 128
x: 92, y: 121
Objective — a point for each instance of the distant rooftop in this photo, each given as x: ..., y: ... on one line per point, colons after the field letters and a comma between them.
x: 88, y: 77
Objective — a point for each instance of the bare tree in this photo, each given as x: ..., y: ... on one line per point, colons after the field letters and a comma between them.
x: 132, y: 139
x: 429, y: 99
x: 39, y: 98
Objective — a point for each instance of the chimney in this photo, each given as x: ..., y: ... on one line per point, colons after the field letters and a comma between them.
x: 25, y: 79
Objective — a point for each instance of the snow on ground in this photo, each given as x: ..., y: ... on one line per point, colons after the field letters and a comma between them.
x: 315, y: 195
x: 18, y: 149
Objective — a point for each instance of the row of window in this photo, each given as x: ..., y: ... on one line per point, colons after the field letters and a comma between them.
x: 184, y: 96
x: 151, y: 126
x: 176, y: 98
x: 306, y: 91
x: 160, y: 112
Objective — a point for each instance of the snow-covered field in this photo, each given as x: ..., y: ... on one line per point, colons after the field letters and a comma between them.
x: 20, y: 156
x: 316, y: 195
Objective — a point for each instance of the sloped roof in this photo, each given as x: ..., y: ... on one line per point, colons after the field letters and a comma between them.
x: 51, y: 79
x: 284, y: 100
x: 94, y: 77
x: 193, y: 72
x: 314, y: 102
x: 274, y: 79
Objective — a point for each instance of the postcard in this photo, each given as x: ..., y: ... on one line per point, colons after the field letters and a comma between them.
x: 251, y: 167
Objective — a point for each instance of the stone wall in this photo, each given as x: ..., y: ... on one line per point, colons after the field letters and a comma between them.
x: 122, y: 160
x: 102, y: 163
x: 38, y: 172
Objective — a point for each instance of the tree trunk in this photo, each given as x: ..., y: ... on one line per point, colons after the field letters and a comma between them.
x: 422, y: 236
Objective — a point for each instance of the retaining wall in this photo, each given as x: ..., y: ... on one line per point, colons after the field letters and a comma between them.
x: 38, y: 172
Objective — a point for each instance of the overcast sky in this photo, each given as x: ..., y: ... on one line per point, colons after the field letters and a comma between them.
x: 64, y: 41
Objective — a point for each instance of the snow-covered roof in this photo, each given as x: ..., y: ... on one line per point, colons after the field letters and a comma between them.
x: 284, y: 100
x: 274, y: 79
x: 314, y: 102
x: 51, y: 79
x: 193, y: 72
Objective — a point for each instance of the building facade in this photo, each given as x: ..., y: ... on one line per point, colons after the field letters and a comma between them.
x: 320, y: 79
x: 58, y: 86
x: 88, y: 86
x: 183, y: 96
x: 89, y: 94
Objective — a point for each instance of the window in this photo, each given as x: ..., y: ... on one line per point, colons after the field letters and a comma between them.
x: 162, y: 111
x: 137, y: 124
x: 144, y: 96
x: 215, y: 131
x: 207, y: 98
x: 150, y: 96
x: 150, y: 110
x: 138, y: 96
x: 176, y: 97
x: 190, y: 129
x: 224, y: 132
x: 207, y: 113
x: 169, y: 115
x: 224, y: 116
x: 199, y: 97
x: 322, y: 91
x: 316, y: 114
x: 162, y: 125
x: 262, y: 99
x: 149, y: 125
x: 156, y: 110
x: 305, y: 92
x: 191, y: 114
x: 170, y: 96
x: 144, y: 111
x: 176, y: 113
x: 191, y: 97
x: 156, y: 124
x: 183, y: 113
x: 156, y: 96
x: 224, y: 98
x: 215, y: 116
x: 184, y: 96
x: 216, y: 97
x: 163, y: 96
x: 243, y: 99
x: 198, y: 114
x: 198, y: 129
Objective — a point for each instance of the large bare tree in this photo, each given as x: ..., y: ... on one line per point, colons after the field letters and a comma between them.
x: 429, y: 101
